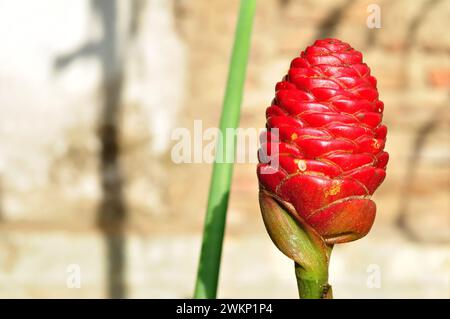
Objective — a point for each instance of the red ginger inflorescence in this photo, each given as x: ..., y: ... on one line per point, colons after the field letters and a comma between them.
x: 330, y: 141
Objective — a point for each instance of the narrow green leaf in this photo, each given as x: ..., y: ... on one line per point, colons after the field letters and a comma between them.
x: 210, y: 256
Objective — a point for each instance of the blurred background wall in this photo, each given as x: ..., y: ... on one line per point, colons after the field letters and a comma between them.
x: 90, y: 92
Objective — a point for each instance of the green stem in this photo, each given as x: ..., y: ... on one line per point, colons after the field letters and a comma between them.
x: 313, y: 284
x: 210, y: 256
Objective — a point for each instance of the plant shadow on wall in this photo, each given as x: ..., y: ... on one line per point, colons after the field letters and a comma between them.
x: 330, y: 23
x: 112, y: 210
x: 422, y: 137
x: 412, y: 179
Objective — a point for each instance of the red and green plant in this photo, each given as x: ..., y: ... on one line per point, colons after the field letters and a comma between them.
x: 326, y: 137
x: 320, y: 161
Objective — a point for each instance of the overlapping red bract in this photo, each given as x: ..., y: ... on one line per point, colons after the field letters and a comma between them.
x: 330, y: 142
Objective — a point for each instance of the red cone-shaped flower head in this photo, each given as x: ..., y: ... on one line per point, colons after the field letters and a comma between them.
x: 328, y: 141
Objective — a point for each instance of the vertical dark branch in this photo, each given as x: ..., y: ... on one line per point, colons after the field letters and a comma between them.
x: 424, y: 131
x: 411, y: 36
x: 112, y: 210
x: 411, y: 171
